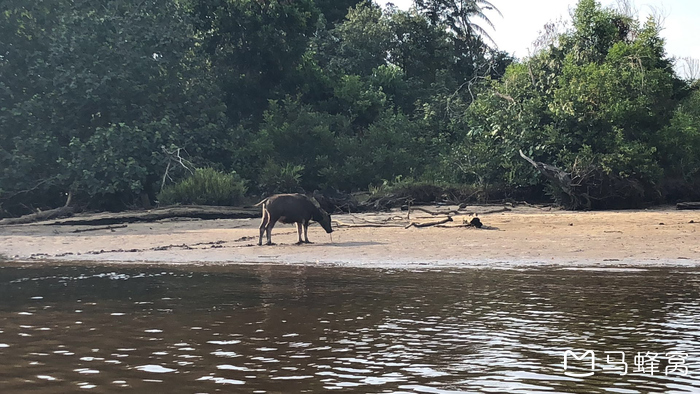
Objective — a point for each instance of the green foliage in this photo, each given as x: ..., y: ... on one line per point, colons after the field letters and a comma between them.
x: 463, y: 21
x: 275, y: 178
x: 115, y: 158
x: 409, y: 189
x: 205, y: 187
x: 598, y: 97
x: 679, y: 147
x: 391, y: 146
x: 106, y: 99
x: 460, y: 16
x: 112, y: 84
x: 293, y: 134
x: 327, y: 152
x: 254, y: 48
x: 362, y: 40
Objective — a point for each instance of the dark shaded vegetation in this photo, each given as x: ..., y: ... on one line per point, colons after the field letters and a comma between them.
x: 115, y: 104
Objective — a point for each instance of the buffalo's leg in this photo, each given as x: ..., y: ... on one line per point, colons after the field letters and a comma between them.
x: 298, y: 224
x: 263, y: 224
x: 268, y: 229
x: 306, y: 233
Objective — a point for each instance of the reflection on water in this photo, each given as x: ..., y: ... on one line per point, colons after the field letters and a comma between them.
x: 277, y: 329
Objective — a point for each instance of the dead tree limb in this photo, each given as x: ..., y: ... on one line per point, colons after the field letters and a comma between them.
x: 555, y: 174
x: 31, y: 189
x: 558, y: 177
x: 504, y: 209
x: 428, y: 224
x: 452, y: 212
x: 51, y: 214
x: 460, y: 212
x: 499, y: 210
x: 175, y: 157
x: 180, y: 211
x: 688, y: 205
x: 84, y: 230
x: 504, y: 96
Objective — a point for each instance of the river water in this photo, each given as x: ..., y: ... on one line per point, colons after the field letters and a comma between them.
x: 294, y: 329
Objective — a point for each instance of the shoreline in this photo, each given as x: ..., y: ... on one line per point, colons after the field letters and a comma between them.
x: 520, y: 238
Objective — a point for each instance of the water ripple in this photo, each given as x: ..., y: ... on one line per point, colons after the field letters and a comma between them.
x: 314, y: 330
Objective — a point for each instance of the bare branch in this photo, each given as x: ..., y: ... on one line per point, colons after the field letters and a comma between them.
x: 31, y: 189
x: 549, y: 35
x: 504, y: 96
x: 175, y: 157
x: 689, y: 68
x: 659, y: 16
x: 627, y: 8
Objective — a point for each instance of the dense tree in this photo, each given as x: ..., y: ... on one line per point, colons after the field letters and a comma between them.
x: 111, y: 101
x: 678, y: 146
x: 460, y: 16
x: 27, y: 152
x: 592, y: 104
x: 113, y: 85
x: 334, y: 11
x: 254, y: 47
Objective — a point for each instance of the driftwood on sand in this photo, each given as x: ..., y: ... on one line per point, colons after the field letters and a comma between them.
x: 112, y: 218
x: 688, y: 205
x: 189, y: 211
x: 467, y: 219
x: 50, y: 214
x: 457, y: 212
x: 474, y: 222
x: 428, y: 224
x: 112, y: 228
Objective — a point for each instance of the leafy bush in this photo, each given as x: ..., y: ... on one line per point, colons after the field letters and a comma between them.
x: 421, y: 191
x: 679, y: 151
x: 275, y: 178
x: 205, y: 187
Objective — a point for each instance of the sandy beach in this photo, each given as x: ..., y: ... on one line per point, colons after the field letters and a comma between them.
x: 522, y: 236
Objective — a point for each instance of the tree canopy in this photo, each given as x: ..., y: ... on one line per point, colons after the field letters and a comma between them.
x: 110, y: 102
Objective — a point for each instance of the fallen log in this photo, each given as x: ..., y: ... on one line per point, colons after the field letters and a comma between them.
x: 434, y: 213
x: 688, y: 205
x: 189, y: 211
x: 504, y: 209
x: 457, y: 212
x: 51, y: 214
x: 84, y: 230
x: 428, y: 224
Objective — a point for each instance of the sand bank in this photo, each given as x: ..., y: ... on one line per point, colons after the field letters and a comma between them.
x: 524, y: 236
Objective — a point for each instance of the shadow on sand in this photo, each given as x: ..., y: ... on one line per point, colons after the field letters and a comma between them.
x: 352, y: 244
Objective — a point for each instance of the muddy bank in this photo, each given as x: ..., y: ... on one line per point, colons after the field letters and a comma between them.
x: 523, y: 236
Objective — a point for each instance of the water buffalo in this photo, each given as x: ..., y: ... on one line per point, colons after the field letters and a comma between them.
x: 291, y: 208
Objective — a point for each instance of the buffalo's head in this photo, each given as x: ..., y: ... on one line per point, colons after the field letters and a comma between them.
x: 325, y: 221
